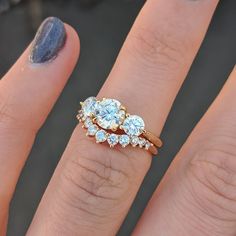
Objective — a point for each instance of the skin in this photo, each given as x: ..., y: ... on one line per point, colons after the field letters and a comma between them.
x: 93, y: 186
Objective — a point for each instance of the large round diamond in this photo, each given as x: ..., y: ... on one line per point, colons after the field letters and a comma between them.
x: 133, y: 125
x: 109, y: 114
x: 89, y: 106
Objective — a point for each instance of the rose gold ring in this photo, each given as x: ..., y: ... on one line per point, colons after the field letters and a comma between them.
x: 108, y: 121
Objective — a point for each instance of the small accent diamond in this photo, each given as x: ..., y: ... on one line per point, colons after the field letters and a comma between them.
x: 134, y: 141
x: 124, y: 140
x: 133, y: 125
x: 92, y: 130
x: 80, y: 113
x: 147, y: 145
x: 113, y: 139
x: 142, y: 142
x: 101, y: 136
x: 89, y: 106
x: 88, y: 122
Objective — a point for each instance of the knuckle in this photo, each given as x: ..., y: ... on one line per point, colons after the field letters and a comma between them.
x: 14, y: 119
x: 156, y: 49
x: 95, y: 186
x: 93, y: 183
x: 212, y: 177
x: 9, y: 118
x: 5, y: 111
x: 93, y: 177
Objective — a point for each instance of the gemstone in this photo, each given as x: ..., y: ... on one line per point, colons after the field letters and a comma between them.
x: 109, y: 114
x: 80, y: 113
x: 113, y: 139
x: 133, y: 125
x: 101, y: 136
x: 92, y: 130
x: 142, y: 142
x: 89, y: 106
x: 134, y: 141
x: 124, y: 140
x: 88, y: 122
x: 147, y: 145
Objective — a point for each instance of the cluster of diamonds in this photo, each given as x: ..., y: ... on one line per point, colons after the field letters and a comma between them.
x: 108, y: 114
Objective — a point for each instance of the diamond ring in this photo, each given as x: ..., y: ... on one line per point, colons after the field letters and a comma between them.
x: 108, y: 121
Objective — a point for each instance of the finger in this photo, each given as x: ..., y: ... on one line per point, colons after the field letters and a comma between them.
x: 199, y: 190
x: 27, y: 94
x: 94, y: 186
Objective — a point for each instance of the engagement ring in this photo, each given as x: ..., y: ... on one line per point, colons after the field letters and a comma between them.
x: 108, y: 121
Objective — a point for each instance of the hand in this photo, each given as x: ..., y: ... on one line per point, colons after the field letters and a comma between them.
x: 94, y: 186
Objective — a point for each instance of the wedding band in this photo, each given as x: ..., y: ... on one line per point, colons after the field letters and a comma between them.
x: 108, y: 121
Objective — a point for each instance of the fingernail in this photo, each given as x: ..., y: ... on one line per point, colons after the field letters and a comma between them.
x: 49, y: 40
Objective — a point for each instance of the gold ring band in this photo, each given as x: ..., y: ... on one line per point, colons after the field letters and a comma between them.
x: 152, y: 138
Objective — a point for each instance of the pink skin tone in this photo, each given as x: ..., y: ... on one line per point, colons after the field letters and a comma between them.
x: 93, y: 186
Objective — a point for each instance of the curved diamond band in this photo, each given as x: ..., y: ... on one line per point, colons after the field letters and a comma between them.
x: 108, y: 121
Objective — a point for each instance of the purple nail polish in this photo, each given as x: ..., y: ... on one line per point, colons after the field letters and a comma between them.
x: 49, y: 40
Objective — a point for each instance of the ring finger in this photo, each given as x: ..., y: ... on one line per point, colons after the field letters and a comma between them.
x: 94, y: 186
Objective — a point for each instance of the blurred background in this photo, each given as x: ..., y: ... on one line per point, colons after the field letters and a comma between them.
x: 103, y: 26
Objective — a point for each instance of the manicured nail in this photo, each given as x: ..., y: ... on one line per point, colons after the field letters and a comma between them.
x: 49, y: 40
